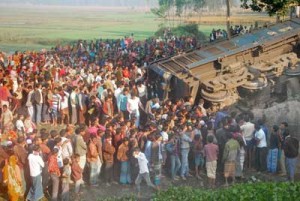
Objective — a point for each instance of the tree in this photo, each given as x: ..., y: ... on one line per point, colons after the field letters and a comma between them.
x: 272, y: 7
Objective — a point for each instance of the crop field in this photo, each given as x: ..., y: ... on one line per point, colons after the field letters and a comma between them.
x: 38, y: 27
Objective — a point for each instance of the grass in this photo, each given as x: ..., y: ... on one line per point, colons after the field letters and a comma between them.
x: 39, y: 27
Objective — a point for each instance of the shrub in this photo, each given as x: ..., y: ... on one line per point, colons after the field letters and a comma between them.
x: 241, y: 192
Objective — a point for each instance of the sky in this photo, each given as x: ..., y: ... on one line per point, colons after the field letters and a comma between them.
x: 113, y: 3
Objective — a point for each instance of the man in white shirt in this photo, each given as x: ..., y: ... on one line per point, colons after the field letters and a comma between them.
x: 143, y: 172
x: 29, y: 104
x: 261, y: 149
x: 36, y: 165
x: 133, y: 105
x: 74, y: 104
x: 247, y: 129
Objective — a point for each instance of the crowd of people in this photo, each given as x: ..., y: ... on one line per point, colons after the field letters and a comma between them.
x: 84, y: 115
x: 236, y: 30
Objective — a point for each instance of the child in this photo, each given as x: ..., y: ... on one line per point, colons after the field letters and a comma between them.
x: 65, y: 196
x: 198, y: 154
x: 211, y: 152
x: 76, y: 174
x: 144, y: 171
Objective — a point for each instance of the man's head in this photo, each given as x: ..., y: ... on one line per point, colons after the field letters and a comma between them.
x: 210, y: 139
x: 284, y: 125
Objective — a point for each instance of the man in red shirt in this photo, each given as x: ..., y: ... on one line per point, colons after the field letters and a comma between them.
x: 54, y: 173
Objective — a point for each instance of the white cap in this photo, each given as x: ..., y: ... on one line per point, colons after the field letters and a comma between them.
x: 202, y: 123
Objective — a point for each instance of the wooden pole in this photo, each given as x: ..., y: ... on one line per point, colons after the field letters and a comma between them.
x: 228, y: 19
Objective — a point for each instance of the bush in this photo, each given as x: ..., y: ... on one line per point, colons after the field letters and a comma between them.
x: 183, y: 30
x: 241, y: 192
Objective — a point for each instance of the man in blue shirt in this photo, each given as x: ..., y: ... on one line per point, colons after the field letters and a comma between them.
x: 122, y: 103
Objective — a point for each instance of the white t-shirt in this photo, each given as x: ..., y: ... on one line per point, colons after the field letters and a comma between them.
x: 133, y: 105
x: 142, y: 90
x: 247, y: 130
x: 260, y: 135
x: 36, y: 164
x: 65, y: 101
x: 143, y: 163
x: 20, y: 125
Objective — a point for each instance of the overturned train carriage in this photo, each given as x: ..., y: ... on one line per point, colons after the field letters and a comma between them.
x: 220, y: 72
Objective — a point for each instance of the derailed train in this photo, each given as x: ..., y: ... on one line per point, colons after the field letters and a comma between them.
x: 219, y: 72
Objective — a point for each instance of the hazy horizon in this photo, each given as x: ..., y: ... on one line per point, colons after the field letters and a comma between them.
x: 101, y: 3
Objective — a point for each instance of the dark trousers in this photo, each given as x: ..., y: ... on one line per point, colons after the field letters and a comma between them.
x: 55, y: 187
x: 108, y: 172
x: 261, y: 159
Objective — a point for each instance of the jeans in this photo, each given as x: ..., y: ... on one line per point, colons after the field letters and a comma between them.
x: 175, y: 165
x: 108, y: 172
x: 65, y: 194
x: 77, y: 186
x: 139, y: 180
x: 125, y: 177
x: 38, y: 113
x: 36, y: 190
x: 184, y: 162
x: 291, y: 164
x: 95, y: 171
x: 55, y: 187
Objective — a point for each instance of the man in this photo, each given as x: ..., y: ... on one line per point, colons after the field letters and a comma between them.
x: 64, y: 109
x: 291, y: 151
x: 38, y: 103
x: 67, y: 149
x: 284, y: 132
x: 80, y: 147
x: 222, y: 138
x: 211, y: 156
x: 36, y: 164
x: 143, y: 172
x: 94, y: 161
x: 261, y: 149
x: 29, y: 102
x: 133, y: 105
x: 122, y: 156
x: 185, y: 149
x: 122, y: 103
x: 4, y: 94
x: 6, y: 119
x: 54, y: 172
x: 74, y: 105
x: 56, y: 105
x: 108, y: 156
x: 229, y: 158
x: 247, y: 129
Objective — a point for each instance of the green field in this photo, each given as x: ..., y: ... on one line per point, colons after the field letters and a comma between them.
x: 38, y: 27
x: 35, y: 28
x: 43, y: 27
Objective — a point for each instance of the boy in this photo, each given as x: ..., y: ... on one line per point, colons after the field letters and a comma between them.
x: 65, y: 196
x: 144, y: 171
x: 76, y: 174
x: 211, y: 152
x: 198, y: 154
